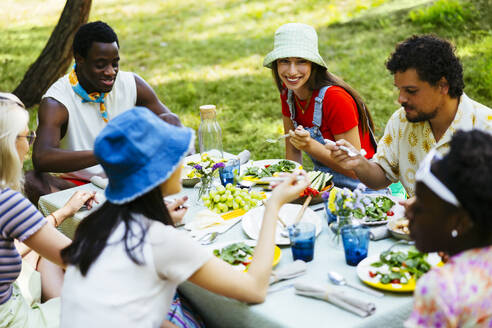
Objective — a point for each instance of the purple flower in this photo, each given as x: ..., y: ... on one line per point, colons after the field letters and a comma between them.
x: 197, y: 167
x: 325, y: 195
x: 217, y: 165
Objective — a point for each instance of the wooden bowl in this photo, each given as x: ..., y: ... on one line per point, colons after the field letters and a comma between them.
x: 316, y: 199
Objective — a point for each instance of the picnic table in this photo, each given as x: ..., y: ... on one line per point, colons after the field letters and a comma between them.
x: 282, y: 308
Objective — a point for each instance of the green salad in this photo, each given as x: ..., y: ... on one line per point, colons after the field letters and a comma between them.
x: 375, y: 209
x: 401, y: 266
x: 236, y: 254
x: 269, y: 170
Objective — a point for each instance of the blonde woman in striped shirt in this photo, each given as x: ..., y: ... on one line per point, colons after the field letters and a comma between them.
x: 21, y: 222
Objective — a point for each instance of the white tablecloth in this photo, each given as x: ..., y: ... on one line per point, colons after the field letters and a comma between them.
x: 282, y: 308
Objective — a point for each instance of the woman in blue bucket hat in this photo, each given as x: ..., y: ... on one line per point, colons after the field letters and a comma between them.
x: 127, y: 259
x: 316, y: 104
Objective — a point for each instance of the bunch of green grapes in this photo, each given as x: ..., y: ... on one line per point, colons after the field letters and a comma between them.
x: 228, y: 198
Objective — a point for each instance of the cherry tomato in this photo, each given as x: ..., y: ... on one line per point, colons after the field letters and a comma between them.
x: 390, y: 213
x: 395, y: 281
x: 267, y: 165
x: 372, y: 274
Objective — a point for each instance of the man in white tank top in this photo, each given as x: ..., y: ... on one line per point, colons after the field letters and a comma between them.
x: 77, y: 107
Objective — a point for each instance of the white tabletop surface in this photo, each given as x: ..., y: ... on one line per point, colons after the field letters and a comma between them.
x: 282, y: 308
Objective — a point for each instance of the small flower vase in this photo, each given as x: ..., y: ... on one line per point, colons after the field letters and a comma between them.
x: 203, y: 188
x: 337, y: 224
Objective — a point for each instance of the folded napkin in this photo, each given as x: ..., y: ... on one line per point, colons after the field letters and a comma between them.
x: 378, y: 233
x: 207, y: 221
x: 336, y: 297
x: 99, y: 182
x: 293, y: 270
x: 244, y: 156
x: 204, y: 219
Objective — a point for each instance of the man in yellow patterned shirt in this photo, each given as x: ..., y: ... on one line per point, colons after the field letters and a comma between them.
x: 429, y: 78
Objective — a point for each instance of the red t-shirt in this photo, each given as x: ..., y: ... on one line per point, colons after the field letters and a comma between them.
x: 339, y: 115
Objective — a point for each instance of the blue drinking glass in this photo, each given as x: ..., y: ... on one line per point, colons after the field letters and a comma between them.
x: 355, y: 243
x: 302, y: 236
x: 231, y: 169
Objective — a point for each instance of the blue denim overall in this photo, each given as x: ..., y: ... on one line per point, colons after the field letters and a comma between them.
x: 339, y: 179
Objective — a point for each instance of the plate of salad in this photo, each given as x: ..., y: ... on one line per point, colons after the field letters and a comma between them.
x: 267, y: 168
x: 379, y: 209
x: 239, y: 254
x: 396, y: 271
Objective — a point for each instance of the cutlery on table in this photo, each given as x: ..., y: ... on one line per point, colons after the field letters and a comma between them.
x: 277, y: 139
x: 338, y: 279
x: 400, y: 243
x: 208, y: 238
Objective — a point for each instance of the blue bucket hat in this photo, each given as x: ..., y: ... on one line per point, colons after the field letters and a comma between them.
x: 138, y: 152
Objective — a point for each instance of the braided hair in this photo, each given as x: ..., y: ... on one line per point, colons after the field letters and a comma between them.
x: 467, y: 171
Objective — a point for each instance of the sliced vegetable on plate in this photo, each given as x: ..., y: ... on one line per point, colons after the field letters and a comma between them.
x: 267, y: 168
x: 378, y: 209
x: 396, y: 271
x: 240, y: 254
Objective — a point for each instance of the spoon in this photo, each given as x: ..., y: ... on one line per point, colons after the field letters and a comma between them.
x: 210, y: 239
x: 277, y: 139
x: 338, y: 279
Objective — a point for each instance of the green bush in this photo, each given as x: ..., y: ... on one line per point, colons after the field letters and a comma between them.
x: 443, y: 13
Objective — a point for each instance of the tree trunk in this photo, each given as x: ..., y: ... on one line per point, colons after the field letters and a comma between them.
x: 56, y: 55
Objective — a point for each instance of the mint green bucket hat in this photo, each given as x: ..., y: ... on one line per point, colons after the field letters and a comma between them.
x: 295, y: 40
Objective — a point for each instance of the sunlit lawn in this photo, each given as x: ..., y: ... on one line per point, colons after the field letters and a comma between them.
x: 200, y: 52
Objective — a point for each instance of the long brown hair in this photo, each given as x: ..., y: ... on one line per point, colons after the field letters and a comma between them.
x: 319, y: 78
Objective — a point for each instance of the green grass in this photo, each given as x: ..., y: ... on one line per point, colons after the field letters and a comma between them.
x: 200, y: 52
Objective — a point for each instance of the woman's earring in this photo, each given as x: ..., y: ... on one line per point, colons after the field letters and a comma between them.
x: 454, y: 233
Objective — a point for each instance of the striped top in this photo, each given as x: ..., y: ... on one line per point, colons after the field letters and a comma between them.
x: 19, y: 219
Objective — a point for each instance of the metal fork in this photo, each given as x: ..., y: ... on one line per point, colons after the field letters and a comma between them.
x: 401, y: 242
x: 208, y: 238
x: 277, y: 139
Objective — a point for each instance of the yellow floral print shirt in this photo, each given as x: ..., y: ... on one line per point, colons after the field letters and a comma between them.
x: 405, y: 144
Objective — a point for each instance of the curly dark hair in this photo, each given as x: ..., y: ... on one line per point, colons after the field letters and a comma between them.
x: 467, y: 172
x: 432, y: 58
x: 92, y: 32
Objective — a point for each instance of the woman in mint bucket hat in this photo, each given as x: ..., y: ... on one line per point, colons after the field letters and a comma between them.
x: 127, y: 259
x: 316, y: 104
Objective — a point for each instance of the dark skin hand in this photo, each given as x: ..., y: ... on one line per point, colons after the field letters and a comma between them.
x: 102, y: 62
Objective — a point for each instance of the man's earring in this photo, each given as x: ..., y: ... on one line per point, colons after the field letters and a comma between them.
x: 454, y: 233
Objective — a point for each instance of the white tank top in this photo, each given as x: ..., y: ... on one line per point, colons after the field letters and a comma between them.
x: 84, y: 119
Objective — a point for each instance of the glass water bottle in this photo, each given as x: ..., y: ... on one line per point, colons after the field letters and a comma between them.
x: 210, y: 133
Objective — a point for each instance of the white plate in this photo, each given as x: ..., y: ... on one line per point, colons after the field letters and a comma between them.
x: 398, y: 210
x: 277, y: 255
x: 253, y: 219
x: 261, y: 164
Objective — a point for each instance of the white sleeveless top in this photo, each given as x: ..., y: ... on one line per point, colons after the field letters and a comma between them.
x: 84, y: 119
